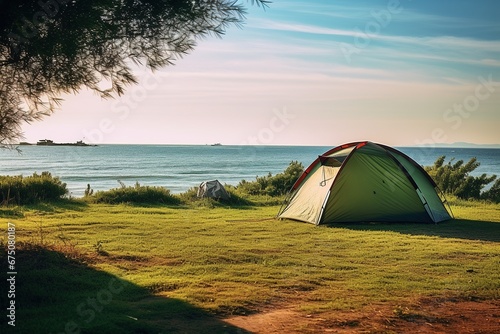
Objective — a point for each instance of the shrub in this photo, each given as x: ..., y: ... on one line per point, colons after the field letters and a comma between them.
x: 455, y: 179
x: 136, y: 194
x: 276, y: 185
x: 191, y: 196
x: 493, y: 194
x: 21, y: 190
x: 88, y: 192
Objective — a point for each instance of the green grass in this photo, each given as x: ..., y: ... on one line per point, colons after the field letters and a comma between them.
x: 220, y: 260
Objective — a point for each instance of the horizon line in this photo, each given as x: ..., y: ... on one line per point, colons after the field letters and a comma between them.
x: 432, y: 145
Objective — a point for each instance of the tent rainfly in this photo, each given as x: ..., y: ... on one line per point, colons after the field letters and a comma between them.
x: 212, y: 189
x: 364, y: 182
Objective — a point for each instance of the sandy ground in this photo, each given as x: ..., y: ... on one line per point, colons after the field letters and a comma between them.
x: 423, y: 316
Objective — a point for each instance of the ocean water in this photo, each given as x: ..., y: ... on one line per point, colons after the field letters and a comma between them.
x: 180, y: 167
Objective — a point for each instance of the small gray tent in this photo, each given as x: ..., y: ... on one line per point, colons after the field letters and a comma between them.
x: 212, y: 189
x: 364, y: 182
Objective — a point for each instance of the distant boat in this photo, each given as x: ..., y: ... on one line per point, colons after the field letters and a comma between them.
x: 81, y: 143
x: 48, y: 142
x: 216, y: 144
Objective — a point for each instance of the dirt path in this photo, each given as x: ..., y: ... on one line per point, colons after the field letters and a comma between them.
x: 427, y: 316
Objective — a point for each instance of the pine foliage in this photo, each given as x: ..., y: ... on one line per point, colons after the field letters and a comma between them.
x: 455, y: 178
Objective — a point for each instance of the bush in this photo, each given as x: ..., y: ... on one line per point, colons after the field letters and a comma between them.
x: 191, y: 196
x: 21, y: 190
x: 455, y: 179
x: 276, y: 185
x: 493, y: 194
x: 136, y: 194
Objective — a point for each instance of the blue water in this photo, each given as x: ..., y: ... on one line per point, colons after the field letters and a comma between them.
x: 180, y: 167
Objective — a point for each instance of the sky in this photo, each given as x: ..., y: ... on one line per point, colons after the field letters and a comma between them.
x: 316, y: 72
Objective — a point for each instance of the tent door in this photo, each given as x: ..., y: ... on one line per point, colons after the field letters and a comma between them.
x: 323, y: 207
x: 426, y: 205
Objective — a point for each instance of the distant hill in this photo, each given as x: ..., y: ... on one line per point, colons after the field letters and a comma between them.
x: 463, y: 145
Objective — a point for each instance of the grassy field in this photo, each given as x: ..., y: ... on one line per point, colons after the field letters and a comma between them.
x: 96, y: 268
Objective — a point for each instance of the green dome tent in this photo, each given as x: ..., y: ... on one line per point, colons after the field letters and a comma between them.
x: 364, y: 182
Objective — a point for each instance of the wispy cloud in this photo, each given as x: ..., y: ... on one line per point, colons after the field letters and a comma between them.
x: 301, y: 28
x: 444, y: 42
x: 439, y: 42
x: 442, y: 49
x: 326, y: 9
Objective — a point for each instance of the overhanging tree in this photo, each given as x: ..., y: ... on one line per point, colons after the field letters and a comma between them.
x: 50, y: 47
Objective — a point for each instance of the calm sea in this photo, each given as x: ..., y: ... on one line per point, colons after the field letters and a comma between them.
x: 180, y: 167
